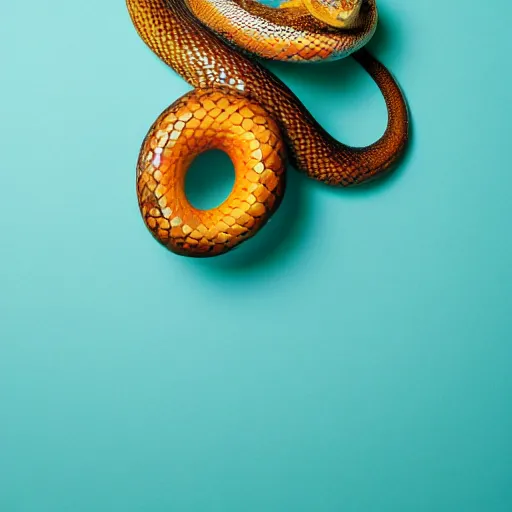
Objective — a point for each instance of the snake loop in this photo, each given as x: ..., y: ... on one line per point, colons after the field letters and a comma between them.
x: 240, y: 107
x: 201, y: 120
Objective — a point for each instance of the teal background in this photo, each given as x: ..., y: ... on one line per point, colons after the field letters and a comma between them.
x: 354, y: 356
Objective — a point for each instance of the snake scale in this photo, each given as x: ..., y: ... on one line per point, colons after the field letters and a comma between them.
x: 240, y: 107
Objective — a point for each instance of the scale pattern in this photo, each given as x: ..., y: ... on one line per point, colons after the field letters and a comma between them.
x: 174, y: 33
x: 290, y: 34
x: 202, y: 120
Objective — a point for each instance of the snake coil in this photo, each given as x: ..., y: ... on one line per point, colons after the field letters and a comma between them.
x: 241, y: 108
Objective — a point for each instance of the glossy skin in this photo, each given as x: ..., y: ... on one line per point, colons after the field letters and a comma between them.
x: 337, y: 13
x: 289, y: 34
x: 201, y: 120
x: 220, y: 72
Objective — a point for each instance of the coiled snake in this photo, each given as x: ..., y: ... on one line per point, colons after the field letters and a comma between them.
x: 240, y: 107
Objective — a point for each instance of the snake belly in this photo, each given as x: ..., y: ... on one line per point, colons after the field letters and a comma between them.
x: 240, y: 107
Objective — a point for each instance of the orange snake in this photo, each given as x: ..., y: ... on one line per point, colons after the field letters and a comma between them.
x: 240, y: 107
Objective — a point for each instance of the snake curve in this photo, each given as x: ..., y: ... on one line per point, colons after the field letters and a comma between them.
x: 240, y: 107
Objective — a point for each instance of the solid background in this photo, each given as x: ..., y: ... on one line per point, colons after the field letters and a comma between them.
x: 354, y: 356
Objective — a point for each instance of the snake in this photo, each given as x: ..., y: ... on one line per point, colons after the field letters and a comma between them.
x: 237, y: 105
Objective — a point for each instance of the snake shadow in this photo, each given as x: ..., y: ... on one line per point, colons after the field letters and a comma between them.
x: 275, y: 242
x: 340, y: 75
x: 291, y: 226
x: 345, y: 76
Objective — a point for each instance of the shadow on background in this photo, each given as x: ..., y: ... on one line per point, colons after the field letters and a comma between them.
x: 277, y: 240
x: 345, y: 76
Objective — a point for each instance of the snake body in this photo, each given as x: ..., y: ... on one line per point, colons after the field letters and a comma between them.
x: 240, y: 107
